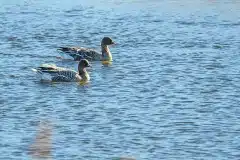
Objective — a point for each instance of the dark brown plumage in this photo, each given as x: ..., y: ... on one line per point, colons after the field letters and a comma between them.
x: 78, y: 53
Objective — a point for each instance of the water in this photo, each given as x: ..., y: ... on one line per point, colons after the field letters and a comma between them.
x: 172, y: 91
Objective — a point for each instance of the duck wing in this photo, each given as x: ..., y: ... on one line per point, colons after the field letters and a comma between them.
x: 78, y: 53
x: 68, y: 49
x: 62, y: 75
x: 56, y: 74
x: 61, y: 78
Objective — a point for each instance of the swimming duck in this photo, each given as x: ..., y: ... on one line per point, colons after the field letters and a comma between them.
x: 78, y: 53
x: 58, y: 74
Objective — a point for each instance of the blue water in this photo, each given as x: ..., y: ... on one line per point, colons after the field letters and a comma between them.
x: 172, y: 91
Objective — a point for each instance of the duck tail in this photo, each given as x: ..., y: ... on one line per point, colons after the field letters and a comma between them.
x: 34, y: 70
x: 59, y: 49
x: 63, y: 49
x: 37, y: 70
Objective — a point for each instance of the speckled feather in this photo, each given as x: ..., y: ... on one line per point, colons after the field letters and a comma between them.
x: 78, y: 53
x: 58, y: 75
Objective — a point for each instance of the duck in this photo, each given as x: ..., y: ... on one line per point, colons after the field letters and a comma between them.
x: 53, y: 73
x: 78, y: 53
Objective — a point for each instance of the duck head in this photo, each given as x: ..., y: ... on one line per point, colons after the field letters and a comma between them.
x: 107, y: 41
x: 83, y: 64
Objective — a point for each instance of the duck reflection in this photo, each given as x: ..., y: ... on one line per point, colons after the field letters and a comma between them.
x: 42, y: 145
x: 41, y: 148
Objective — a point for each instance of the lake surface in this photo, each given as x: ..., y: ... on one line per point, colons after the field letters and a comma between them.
x: 172, y: 91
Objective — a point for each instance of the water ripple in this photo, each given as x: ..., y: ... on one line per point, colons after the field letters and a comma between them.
x: 172, y: 91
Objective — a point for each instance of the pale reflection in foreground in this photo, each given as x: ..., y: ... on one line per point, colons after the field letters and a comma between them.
x: 42, y: 144
x: 41, y: 148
